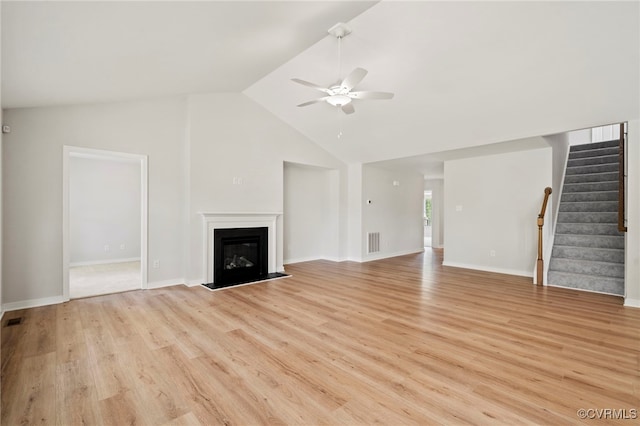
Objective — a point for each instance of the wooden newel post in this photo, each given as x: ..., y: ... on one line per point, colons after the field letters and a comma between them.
x: 540, y: 262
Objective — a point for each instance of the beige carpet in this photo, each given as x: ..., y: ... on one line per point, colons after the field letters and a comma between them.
x: 93, y: 280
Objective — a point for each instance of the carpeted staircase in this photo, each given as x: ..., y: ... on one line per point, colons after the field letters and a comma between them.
x: 588, y: 250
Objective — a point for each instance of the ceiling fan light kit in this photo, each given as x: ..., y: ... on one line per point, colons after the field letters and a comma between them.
x: 340, y: 95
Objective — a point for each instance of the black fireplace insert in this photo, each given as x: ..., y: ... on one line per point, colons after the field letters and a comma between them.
x: 240, y: 255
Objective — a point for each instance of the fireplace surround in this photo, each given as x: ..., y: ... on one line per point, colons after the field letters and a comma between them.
x: 215, y: 221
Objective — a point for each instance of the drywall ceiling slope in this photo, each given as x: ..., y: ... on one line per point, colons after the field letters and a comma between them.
x: 57, y: 52
x: 432, y: 165
x: 465, y: 74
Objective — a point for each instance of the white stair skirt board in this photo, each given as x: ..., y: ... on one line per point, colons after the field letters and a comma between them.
x: 94, y: 280
x: 632, y: 303
x: 489, y: 269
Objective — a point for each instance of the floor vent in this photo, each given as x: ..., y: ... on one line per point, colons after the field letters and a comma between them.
x: 373, y: 242
x: 13, y: 321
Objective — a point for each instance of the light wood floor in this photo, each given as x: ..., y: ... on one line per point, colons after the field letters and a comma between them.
x: 398, y: 341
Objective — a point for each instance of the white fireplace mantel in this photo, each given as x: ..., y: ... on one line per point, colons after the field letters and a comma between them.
x: 212, y: 221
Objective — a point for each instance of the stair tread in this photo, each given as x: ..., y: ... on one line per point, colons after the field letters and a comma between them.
x: 594, y: 145
x: 590, y: 235
x: 583, y: 183
x: 592, y: 248
x: 591, y: 262
x: 590, y: 174
x: 587, y: 275
x: 588, y: 223
x: 591, y: 202
x: 595, y: 192
x: 590, y: 253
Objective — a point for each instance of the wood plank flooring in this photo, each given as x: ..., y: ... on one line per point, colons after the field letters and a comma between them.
x: 396, y: 341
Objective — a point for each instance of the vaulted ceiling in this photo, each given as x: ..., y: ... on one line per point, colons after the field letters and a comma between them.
x: 464, y: 74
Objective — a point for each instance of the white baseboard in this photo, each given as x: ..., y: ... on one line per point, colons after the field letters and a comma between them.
x: 193, y: 283
x: 301, y: 259
x: 104, y: 262
x: 632, y: 303
x: 489, y: 269
x: 380, y: 256
x: 32, y: 303
x: 165, y: 283
x: 335, y: 259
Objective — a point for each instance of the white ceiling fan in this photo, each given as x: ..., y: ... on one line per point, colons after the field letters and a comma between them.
x: 341, y: 94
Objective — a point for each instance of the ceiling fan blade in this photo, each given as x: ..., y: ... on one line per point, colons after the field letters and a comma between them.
x: 348, y: 109
x: 314, y: 101
x: 308, y: 84
x: 370, y: 95
x: 354, y: 78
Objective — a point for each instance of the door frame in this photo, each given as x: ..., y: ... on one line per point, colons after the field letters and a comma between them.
x: 70, y: 151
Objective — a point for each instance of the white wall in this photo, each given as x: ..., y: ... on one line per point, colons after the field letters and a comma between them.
x: 104, y: 210
x: 436, y: 186
x: 1, y: 197
x: 491, y: 203
x: 32, y: 166
x: 310, y: 213
x: 632, y: 241
x: 396, y: 212
x: 579, y: 137
x: 230, y: 136
x: 355, y: 205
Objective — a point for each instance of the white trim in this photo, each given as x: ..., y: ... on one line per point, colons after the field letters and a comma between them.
x: 104, y: 262
x: 32, y: 303
x: 335, y: 259
x: 74, y: 151
x: 165, y: 283
x: 584, y: 289
x: 1, y: 315
x: 302, y: 259
x: 380, y: 256
x: 489, y: 269
x: 224, y: 220
x: 548, y: 248
x: 632, y: 303
x: 311, y: 259
x: 194, y: 283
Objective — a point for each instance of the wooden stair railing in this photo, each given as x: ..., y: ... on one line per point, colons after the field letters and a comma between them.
x: 540, y: 262
x: 621, y: 200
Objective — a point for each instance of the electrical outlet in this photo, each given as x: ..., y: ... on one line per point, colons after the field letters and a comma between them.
x: 492, y: 253
x: 458, y: 208
x: 156, y: 264
x: 106, y: 247
x: 122, y: 246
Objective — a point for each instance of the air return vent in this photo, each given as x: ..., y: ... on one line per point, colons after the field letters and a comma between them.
x: 373, y: 242
x: 13, y: 321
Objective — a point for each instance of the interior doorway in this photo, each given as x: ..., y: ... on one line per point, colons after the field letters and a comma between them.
x: 104, y: 222
x: 428, y: 218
